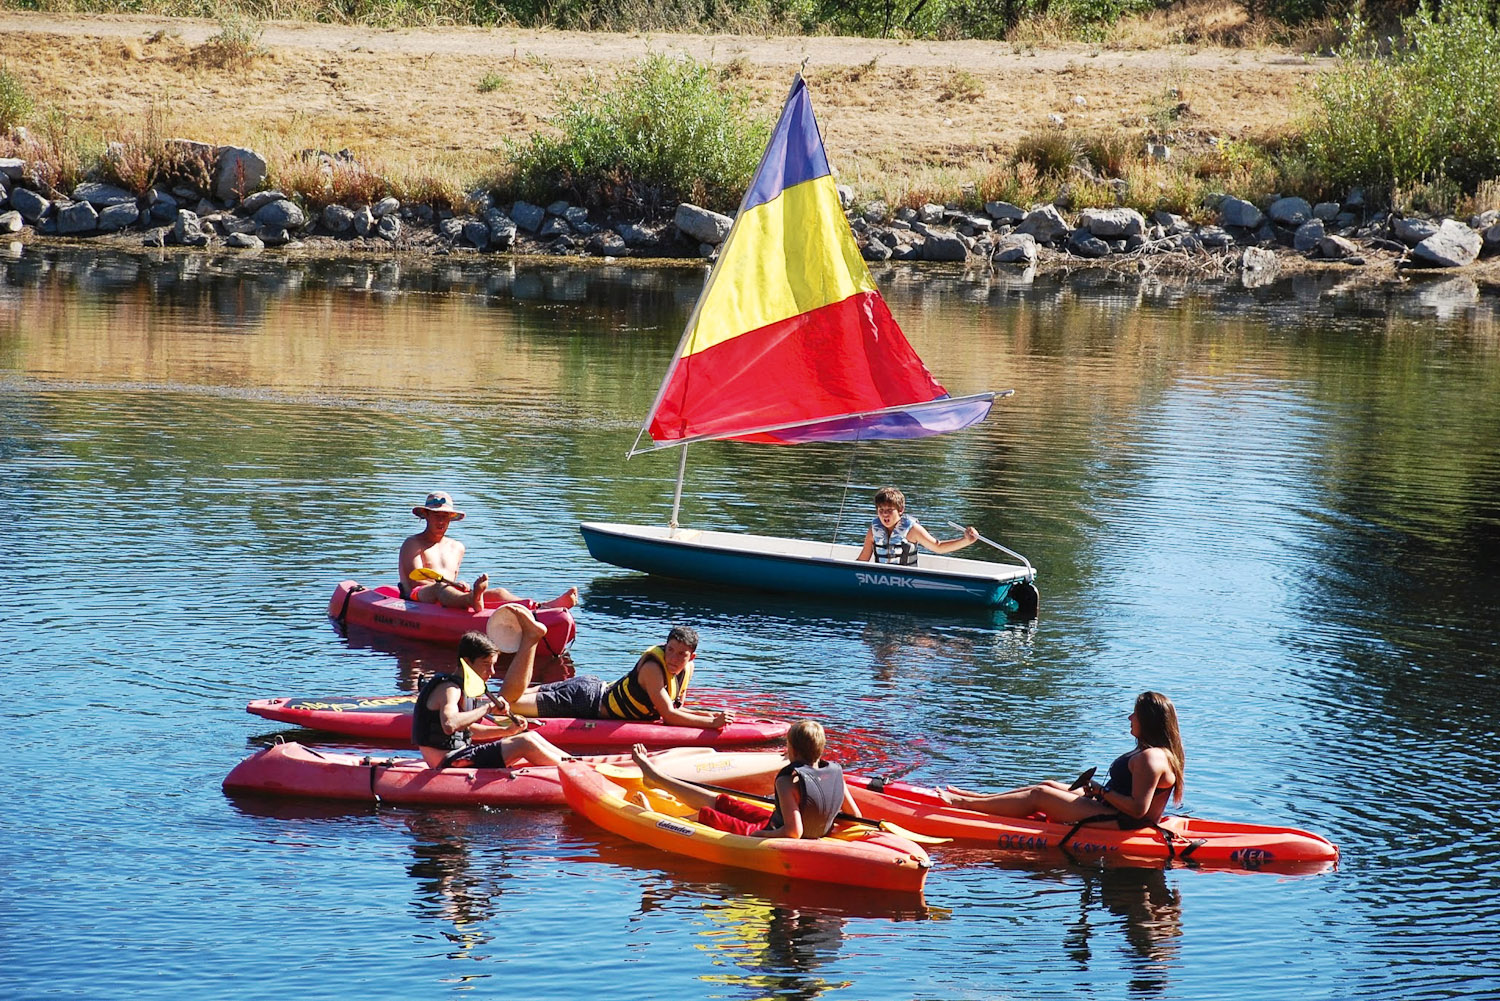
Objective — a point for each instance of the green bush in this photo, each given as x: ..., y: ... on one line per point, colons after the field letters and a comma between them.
x: 15, y: 103
x: 1428, y: 109
x: 666, y: 131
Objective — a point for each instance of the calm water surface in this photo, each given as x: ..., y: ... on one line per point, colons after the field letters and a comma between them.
x: 1280, y: 506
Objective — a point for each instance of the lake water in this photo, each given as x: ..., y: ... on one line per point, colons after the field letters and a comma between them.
x: 1279, y: 506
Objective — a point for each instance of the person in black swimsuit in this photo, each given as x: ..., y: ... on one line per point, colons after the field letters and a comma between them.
x: 1140, y: 781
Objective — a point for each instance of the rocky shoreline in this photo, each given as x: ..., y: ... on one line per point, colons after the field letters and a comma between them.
x: 235, y: 211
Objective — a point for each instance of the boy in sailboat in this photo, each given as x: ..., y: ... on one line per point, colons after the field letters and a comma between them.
x: 893, y: 535
x: 432, y: 549
x: 653, y: 690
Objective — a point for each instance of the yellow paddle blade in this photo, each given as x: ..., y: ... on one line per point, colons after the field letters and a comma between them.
x: 426, y: 574
x: 473, y: 684
x: 613, y: 771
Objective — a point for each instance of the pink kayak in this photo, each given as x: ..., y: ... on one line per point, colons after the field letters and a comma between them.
x: 388, y: 718
x: 382, y: 609
x: 293, y: 769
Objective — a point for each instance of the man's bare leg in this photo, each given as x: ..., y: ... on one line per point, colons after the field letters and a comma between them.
x: 567, y: 599
x: 476, y: 595
x: 518, y: 674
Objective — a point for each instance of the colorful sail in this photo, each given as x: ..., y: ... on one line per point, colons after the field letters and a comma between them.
x: 791, y: 340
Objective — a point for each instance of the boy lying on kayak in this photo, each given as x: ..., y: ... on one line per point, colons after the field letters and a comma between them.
x: 810, y: 792
x: 653, y: 690
x: 431, y: 549
x: 450, y: 705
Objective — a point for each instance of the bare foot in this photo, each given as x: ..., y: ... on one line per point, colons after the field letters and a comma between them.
x: 476, y: 599
x: 567, y: 599
x: 531, y: 630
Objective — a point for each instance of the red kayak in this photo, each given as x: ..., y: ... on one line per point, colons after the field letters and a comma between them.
x: 1188, y: 839
x: 383, y: 610
x: 294, y: 770
x: 388, y: 718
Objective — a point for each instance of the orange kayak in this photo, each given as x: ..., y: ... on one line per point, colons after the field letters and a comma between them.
x: 292, y: 769
x: 1188, y: 839
x: 853, y: 854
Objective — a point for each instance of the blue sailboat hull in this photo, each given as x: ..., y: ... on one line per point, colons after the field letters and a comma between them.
x: 791, y: 566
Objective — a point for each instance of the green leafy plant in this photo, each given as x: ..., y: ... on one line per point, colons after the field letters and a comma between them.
x: 491, y: 82
x: 666, y: 130
x: 1423, y: 111
x: 15, y: 102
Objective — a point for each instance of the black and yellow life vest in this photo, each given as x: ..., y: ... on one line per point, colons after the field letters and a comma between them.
x: 628, y: 698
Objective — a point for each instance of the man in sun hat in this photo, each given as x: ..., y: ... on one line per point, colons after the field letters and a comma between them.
x: 432, y: 549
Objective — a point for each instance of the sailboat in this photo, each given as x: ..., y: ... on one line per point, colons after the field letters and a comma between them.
x: 790, y: 343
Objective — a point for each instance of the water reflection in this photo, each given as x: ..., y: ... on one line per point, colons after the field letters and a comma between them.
x: 450, y: 888
x: 1150, y: 914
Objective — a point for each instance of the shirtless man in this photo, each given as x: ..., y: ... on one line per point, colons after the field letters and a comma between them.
x: 431, y: 548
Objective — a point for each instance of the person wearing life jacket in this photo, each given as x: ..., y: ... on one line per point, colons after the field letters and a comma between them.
x: 653, y: 690
x: 810, y: 792
x: 1141, y: 781
x: 451, y: 705
x: 893, y: 535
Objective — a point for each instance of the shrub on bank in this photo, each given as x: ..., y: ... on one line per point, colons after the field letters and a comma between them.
x: 15, y: 102
x: 666, y: 131
x: 1426, y: 111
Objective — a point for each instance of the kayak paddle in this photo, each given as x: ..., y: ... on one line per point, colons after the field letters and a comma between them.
x: 882, y: 825
x: 427, y: 575
x: 1083, y: 779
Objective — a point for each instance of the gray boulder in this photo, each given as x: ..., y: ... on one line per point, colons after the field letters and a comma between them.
x: 1412, y: 231
x: 476, y: 233
x: 846, y: 196
x: 1308, y: 235
x: 156, y: 237
x: 11, y: 222
x: 102, y: 195
x: 876, y: 211
x: 364, y: 221
x: 702, y: 224
x: 1018, y: 248
x: 117, y: 217
x: 338, y: 218
x: 1239, y: 213
x: 502, y: 229
x: 77, y: 217
x: 452, y: 228
x: 1454, y: 245
x: 1171, y: 223
x: 254, y: 203
x: 636, y: 235
x: 32, y: 206
x: 1112, y: 224
x: 244, y: 241
x: 559, y: 207
x: 12, y: 167
x: 240, y: 172
x: 281, y: 214
x: 1213, y: 236
x: 1484, y: 220
x: 1290, y: 211
x: 944, y: 248
x: 1044, y: 223
x: 389, y: 205
x: 607, y: 243
x: 1336, y: 248
x: 528, y: 216
x: 1004, y: 212
x: 577, y: 216
x: 1260, y: 263
x: 554, y: 227
x: 270, y: 236
x: 874, y: 250
x: 930, y: 213
x: 1327, y: 211
x: 1082, y: 243
x: 1492, y: 239
x: 187, y: 230
x: 389, y: 228
x: 163, y: 206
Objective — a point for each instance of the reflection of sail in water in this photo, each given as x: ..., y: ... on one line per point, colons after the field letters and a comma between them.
x: 1152, y: 913
x: 451, y: 890
x: 778, y: 947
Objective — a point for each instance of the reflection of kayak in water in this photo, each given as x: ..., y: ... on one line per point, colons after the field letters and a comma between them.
x: 388, y: 717
x: 853, y: 854
x: 383, y: 610
x: 294, y: 770
x: 1189, y: 839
